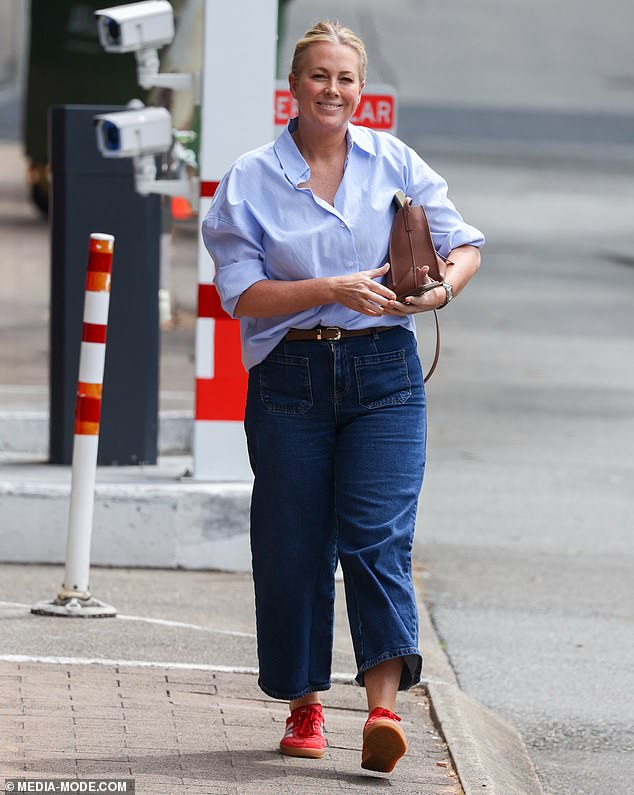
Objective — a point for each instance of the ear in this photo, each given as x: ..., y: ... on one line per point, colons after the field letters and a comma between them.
x: 361, y: 87
x: 292, y: 84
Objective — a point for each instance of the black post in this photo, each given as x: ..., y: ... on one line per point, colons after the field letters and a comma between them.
x: 92, y: 194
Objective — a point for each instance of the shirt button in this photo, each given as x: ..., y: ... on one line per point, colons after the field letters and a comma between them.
x: 342, y: 225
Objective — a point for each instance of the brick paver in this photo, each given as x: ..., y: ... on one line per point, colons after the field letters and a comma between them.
x: 176, y: 731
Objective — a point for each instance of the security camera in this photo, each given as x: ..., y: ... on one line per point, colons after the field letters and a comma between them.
x: 142, y: 28
x: 136, y: 26
x: 140, y: 134
x: 132, y: 133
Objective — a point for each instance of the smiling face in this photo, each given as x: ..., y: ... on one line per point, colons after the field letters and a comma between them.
x: 328, y: 86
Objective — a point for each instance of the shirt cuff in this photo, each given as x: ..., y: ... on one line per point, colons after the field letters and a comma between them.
x: 464, y: 236
x: 232, y: 280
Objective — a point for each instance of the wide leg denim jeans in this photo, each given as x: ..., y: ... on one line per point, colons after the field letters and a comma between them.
x: 336, y: 434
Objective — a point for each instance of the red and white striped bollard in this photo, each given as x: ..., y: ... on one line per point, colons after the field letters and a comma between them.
x: 75, y: 598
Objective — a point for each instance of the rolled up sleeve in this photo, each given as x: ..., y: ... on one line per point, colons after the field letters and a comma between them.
x: 447, y: 226
x: 236, y: 248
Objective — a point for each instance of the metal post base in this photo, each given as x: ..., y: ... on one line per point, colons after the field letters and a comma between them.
x: 73, y: 607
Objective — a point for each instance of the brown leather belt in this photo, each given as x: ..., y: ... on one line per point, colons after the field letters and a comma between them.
x: 331, y: 333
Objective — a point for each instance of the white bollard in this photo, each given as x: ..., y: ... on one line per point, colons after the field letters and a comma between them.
x: 75, y: 599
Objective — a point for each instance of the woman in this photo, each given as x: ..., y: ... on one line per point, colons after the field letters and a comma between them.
x: 335, y: 416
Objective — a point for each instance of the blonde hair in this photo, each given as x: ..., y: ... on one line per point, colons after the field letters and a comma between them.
x: 332, y: 32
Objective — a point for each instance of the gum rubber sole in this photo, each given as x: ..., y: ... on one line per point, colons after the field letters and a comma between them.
x: 383, y: 745
x: 309, y: 753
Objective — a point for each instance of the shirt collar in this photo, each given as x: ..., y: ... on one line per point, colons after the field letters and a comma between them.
x: 362, y: 137
x: 294, y: 165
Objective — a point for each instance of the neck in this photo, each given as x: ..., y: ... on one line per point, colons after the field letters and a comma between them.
x: 319, y: 147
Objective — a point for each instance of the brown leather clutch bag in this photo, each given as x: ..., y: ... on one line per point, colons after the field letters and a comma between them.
x: 411, y: 251
x: 415, y: 266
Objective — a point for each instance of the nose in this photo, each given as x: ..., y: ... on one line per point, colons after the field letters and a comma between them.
x: 331, y: 88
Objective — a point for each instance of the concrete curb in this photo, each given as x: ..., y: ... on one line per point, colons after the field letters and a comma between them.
x: 144, y: 517
x: 27, y: 432
x: 488, y: 753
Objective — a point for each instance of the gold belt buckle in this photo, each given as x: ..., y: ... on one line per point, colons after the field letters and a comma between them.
x: 323, y: 334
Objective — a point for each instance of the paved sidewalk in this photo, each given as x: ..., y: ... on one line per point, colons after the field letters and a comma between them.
x: 193, y: 724
x: 179, y: 731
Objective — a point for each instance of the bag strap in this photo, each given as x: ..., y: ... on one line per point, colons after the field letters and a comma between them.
x: 437, y: 353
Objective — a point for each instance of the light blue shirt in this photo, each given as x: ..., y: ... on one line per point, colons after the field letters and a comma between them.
x: 261, y: 225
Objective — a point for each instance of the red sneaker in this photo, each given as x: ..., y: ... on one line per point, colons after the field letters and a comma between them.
x: 383, y: 741
x: 304, y: 735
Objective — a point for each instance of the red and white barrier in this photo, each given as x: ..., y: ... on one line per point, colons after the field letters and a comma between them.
x: 231, y: 124
x: 75, y: 598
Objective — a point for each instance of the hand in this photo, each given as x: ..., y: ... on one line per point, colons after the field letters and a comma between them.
x: 433, y: 299
x: 359, y: 291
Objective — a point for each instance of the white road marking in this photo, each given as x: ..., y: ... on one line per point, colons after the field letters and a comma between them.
x: 183, y: 625
x: 160, y: 621
x: 337, y: 678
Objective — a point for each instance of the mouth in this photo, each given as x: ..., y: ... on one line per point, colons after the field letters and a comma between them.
x: 330, y: 105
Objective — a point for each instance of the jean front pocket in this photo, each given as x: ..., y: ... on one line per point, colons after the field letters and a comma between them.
x: 382, y: 379
x: 285, y: 385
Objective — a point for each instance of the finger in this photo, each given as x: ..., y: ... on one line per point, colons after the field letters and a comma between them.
x: 399, y: 308
x: 380, y: 290
x: 374, y: 272
x: 396, y: 312
x: 374, y: 309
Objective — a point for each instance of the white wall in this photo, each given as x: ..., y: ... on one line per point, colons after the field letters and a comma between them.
x: 502, y: 54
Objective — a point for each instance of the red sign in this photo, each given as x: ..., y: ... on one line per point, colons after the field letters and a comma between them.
x: 376, y: 111
x: 377, y: 108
